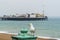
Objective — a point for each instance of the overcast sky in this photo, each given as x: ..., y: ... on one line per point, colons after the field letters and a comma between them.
x: 51, y: 7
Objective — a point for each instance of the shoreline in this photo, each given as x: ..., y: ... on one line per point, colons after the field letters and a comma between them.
x: 7, y: 36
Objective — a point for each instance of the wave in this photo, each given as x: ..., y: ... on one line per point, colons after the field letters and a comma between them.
x: 48, y: 38
x: 6, y: 32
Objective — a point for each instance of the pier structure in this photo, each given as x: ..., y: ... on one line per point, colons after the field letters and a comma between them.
x: 26, y: 17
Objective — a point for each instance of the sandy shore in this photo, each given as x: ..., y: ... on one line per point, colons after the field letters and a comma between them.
x: 4, y: 36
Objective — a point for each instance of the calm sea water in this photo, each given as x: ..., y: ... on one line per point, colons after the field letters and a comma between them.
x: 50, y: 28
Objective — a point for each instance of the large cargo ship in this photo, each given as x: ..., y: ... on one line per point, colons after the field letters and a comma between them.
x: 25, y: 17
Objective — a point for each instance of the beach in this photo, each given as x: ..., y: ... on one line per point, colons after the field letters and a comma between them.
x: 5, y: 36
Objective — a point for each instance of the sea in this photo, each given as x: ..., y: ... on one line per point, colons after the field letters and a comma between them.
x: 48, y: 28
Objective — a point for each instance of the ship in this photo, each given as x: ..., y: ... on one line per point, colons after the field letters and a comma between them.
x: 25, y: 17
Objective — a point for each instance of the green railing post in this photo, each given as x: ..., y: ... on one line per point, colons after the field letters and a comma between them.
x: 23, y: 35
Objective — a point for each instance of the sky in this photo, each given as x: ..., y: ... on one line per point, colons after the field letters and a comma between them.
x: 10, y: 7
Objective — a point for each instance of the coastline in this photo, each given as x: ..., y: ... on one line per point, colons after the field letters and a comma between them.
x: 7, y: 36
